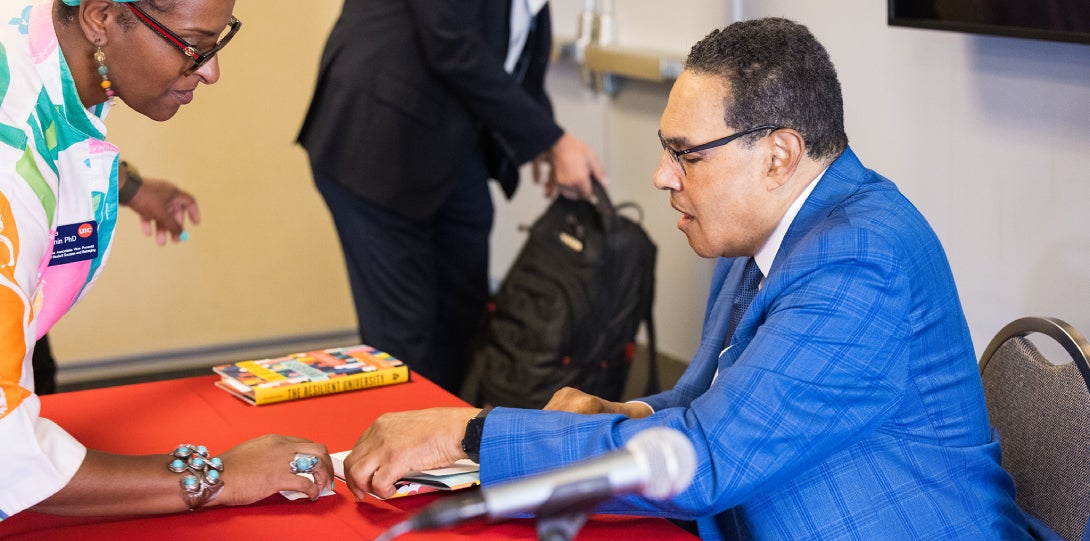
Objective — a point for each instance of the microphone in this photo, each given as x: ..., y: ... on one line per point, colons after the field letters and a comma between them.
x: 657, y: 463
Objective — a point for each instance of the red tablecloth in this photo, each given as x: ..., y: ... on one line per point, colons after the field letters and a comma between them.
x: 154, y: 417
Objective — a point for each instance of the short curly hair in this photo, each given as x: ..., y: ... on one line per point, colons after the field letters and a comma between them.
x: 778, y: 74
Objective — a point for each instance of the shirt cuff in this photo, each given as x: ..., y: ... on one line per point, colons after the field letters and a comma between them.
x: 39, y: 457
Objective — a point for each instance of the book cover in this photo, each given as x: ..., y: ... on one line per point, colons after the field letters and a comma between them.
x: 462, y: 474
x: 311, y: 373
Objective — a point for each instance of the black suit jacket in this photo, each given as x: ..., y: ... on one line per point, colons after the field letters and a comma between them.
x: 407, y: 89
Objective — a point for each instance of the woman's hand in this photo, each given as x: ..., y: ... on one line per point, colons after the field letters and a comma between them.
x: 163, y: 209
x: 258, y: 468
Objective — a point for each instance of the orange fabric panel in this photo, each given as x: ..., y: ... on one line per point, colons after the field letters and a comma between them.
x: 14, y: 312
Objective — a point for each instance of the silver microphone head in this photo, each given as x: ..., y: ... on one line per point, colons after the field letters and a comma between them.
x: 668, y: 459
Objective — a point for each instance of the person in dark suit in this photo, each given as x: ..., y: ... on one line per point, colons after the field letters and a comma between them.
x: 417, y: 104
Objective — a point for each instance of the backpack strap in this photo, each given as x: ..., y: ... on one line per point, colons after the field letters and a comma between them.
x: 600, y: 200
x: 652, y: 349
x: 652, y: 362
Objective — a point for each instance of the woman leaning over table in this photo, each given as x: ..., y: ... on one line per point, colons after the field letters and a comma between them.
x: 61, y: 65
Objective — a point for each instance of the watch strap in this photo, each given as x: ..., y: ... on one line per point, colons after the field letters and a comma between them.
x: 133, y: 181
x: 471, y: 442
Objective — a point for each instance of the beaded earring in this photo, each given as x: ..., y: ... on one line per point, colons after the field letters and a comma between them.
x: 100, y: 57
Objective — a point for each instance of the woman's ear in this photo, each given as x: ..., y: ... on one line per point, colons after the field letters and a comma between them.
x: 95, y: 17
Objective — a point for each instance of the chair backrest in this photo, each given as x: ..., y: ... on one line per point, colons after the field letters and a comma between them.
x: 1042, y: 412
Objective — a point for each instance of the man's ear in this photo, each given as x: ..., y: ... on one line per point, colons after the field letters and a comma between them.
x: 788, y: 149
x: 95, y: 16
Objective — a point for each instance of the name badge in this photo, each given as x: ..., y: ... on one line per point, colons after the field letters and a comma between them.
x: 75, y: 242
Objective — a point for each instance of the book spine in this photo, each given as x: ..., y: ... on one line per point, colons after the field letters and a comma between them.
x: 389, y: 376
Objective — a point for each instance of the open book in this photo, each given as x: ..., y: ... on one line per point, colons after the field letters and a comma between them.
x: 462, y: 474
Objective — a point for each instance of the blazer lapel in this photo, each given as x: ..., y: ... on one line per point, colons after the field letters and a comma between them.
x: 727, y: 278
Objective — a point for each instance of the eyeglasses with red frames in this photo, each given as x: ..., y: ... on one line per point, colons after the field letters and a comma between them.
x: 199, y: 58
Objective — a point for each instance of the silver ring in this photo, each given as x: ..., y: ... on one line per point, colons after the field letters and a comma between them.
x: 303, y: 463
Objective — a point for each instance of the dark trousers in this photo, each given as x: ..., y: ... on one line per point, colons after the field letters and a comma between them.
x: 420, y: 287
x: 45, y: 367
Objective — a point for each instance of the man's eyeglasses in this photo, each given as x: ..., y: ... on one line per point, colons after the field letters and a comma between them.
x: 677, y: 154
x: 184, y: 46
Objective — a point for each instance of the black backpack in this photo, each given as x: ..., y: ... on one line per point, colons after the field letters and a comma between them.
x: 569, y: 308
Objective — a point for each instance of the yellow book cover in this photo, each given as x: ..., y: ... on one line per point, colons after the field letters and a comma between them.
x: 312, y: 373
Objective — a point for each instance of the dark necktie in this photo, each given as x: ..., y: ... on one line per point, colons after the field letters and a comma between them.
x: 751, y: 278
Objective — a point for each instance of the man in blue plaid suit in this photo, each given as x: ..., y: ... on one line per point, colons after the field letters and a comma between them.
x: 847, y: 402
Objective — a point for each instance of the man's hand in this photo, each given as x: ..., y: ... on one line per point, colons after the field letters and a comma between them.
x: 571, y: 163
x: 397, y: 443
x: 163, y: 208
x: 576, y: 401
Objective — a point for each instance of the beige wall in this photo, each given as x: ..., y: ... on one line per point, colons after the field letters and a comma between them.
x: 264, y: 264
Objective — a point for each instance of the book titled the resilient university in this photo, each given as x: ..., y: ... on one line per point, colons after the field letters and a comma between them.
x: 312, y: 373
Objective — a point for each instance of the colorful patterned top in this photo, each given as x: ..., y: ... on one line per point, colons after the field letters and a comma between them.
x: 58, y: 204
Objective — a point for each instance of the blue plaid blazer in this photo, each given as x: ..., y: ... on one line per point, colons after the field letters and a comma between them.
x: 849, y: 405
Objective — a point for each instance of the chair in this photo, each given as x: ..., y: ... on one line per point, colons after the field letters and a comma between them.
x: 1042, y: 412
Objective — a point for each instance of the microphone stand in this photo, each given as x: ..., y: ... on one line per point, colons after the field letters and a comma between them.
x: 561, y: 527
x: 563, y: 515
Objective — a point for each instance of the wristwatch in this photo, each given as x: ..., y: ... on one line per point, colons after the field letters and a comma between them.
x: 471, y: 443
x: 132, y: 184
